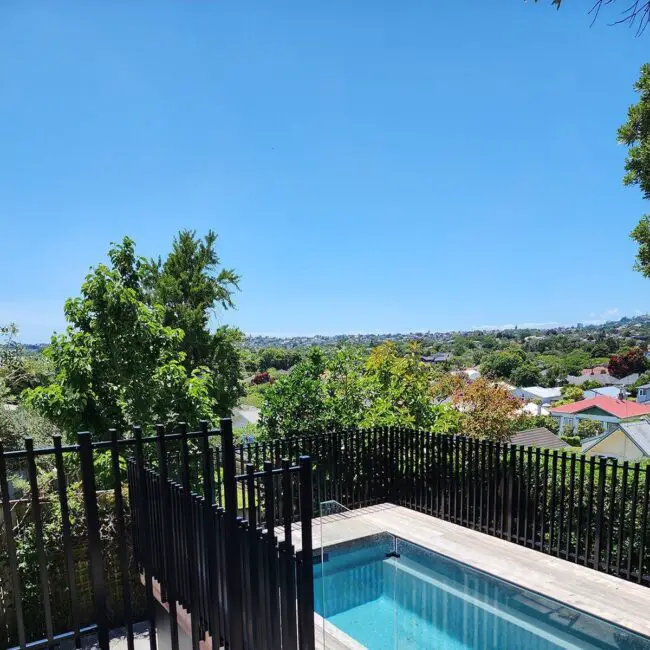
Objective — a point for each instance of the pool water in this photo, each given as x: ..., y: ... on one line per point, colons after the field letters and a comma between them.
x: 387, y: 593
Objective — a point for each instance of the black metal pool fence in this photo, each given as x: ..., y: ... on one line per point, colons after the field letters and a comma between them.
x: 96, y: 534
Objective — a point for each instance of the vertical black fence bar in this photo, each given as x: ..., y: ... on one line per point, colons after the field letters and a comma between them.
x: 570, y: 508
x: 481, y: 509
x: 600, y: 506
x: 635, y: 496
x: 590, y: 505
x: 121, y: 531
x: 186, y: 478
x: 581, y: 490
x: 287, y: 564
x: 269, y: 515
x: 11, y: 550
x: 144, y: 535
x: 306, y: 602
x: 94, y: 539
x: 167, y: 578
x: 621, y: 517
x: 551, y: 527
x: 255, y: 592
x: 610, y: 523
x: 62, y: 490
x: 231, y: 536
x: 35, y: 502
x: 512, y: 469
x: 529, y: 470
x: 562, y: 505
x: 542, y: 537
x: 536, y: 497
x: 211, y: 543
x: 644, y: 525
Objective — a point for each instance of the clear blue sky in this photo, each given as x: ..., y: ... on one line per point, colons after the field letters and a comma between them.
x: 369, y: 166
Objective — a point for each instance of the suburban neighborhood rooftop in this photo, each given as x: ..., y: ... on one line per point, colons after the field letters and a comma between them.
x: 617, y: 407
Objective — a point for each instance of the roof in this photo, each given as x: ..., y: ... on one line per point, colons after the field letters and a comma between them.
x: 538, y: 437
x: 638, y: 432
x: 542, y: 392
x: 534, y: 409
x: 616, y: 407
x: 606, y: 391
x: 603, y: 380
x: 644, y: 386
x: 596, y: 370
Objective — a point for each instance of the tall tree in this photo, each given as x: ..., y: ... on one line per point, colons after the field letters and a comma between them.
x: 118, y: 362
x: 191, y: 285
x: 635, y: 134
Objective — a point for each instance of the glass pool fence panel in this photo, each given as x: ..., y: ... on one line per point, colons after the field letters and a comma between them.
x: 345, y: 581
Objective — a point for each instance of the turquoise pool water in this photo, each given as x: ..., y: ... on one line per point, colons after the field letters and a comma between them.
x: 389, y: 594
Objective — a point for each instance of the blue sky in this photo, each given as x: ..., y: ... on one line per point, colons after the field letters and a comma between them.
x: 369, y: 166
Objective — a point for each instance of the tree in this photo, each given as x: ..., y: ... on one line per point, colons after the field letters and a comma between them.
x: 526, y: 375
x: 118, y: 363
x: 501, y: 365
x: 630, y: 362
x: 486, y: 409
x: 295, y: 404
x: 589, y: 428
x: 570, y: 394
x: 190, y: 286
x: 637, y: 12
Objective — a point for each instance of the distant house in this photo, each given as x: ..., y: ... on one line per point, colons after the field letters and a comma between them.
x: 643, y: 394
x: 604, y: 391
x: 596, y: 370
x: 538, y: 437
x: 608, y: 411
x: 438, y: 357
x: 627, y: 441
x: 603, y: 379
x: 538, y: 393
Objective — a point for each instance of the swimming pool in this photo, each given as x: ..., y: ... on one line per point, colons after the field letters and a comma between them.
x: 387, y: 593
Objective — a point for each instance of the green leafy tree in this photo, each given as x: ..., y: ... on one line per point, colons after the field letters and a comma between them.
x: 526, y: 375
x: 296, y: 403
x: 502, y: 364
x: 190, y: 285
x: 589, y: 428
x: 118, y: 363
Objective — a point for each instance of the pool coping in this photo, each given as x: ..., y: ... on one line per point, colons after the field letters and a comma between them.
x: 595, y: 593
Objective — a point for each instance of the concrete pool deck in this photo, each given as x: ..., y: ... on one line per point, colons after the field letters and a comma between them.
x: 625, y: 603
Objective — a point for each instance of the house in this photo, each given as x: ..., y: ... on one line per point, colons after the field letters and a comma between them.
x: 603, y: 379
x: 596, y: 370
x: 643, y: 394
x: 438, y: 357
x: 605, y: 391
x: 538, y: 437
x: 538, y: 393
x: 610, y: 412
x: 627, y: 441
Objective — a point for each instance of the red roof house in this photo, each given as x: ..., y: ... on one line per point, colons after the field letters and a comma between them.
x: 617, y: 408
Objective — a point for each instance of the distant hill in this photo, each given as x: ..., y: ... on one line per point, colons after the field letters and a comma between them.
x: 637, y: 327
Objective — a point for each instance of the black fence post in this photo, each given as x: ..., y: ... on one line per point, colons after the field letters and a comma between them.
x: 167, y: 581
x: 144, y: 536
x: 306, y: 603
x: 121, y: 531
x: 233, y: 580
x: 11, y: 549
x: 94, y: 539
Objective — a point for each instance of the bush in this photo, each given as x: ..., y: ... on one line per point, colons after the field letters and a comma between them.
x: 573, y: 441
x: 261, y: 378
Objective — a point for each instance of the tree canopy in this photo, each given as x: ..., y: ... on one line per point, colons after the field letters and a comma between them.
x: 137, y: 348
